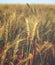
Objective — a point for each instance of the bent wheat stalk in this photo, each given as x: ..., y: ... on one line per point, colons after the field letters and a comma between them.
x: 17, y: 44
x: 10, y: 46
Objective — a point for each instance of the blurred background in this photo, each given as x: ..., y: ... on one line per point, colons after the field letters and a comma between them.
x: 27, y: 1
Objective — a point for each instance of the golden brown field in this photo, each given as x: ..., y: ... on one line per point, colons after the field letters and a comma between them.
x: 27, y: 34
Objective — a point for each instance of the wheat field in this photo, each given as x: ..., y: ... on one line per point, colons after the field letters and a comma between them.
x: 27, y: 34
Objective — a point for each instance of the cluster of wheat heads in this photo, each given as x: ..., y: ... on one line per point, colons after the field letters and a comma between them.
x: 26, y: 40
